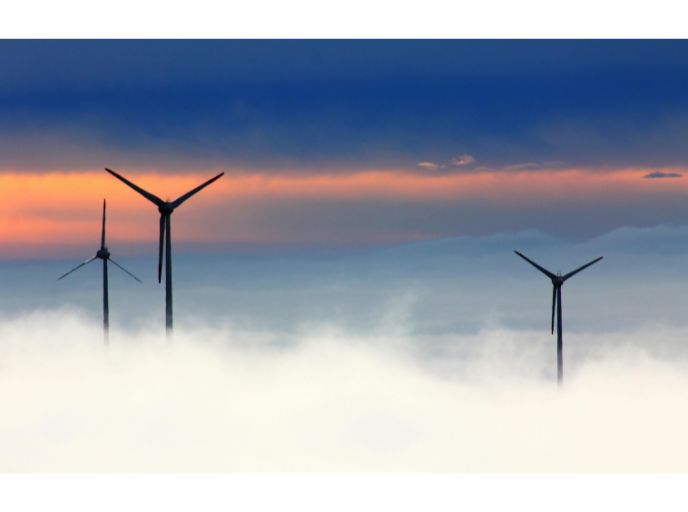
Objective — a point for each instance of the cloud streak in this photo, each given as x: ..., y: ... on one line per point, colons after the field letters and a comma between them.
x: 660, y: 174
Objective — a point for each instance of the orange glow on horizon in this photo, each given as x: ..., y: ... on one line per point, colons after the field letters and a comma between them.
x: 64, y: 208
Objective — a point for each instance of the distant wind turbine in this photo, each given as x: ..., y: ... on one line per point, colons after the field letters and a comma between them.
x: 103, y: 254
x: 165, y: 208
x: 557, y: 281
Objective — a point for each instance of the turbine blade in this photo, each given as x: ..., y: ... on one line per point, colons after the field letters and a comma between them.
x: 541, y: 269
x: 573, y: 273
x: 120, y: 266
x: 162, y: 242
x: 554, y: 303
x: 102, y: 234
x: 151, y: 197
x: 186, y: 196
x: 77, y: 267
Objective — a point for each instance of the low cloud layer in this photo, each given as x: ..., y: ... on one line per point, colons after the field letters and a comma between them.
x: 433, y: 356
x: 227, y: 400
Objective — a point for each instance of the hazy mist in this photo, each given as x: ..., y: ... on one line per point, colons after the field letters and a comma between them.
x: 434, y: 356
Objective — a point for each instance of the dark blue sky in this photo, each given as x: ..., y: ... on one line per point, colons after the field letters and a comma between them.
x: 324, y: 106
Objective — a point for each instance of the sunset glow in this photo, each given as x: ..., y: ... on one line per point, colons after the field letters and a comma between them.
x: 46, y: 208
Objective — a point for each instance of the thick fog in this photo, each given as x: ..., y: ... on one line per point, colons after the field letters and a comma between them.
x: 433, y: 356
x: 220, y: 400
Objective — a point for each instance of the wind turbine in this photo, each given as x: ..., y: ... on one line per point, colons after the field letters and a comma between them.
x: 103, y: 254
x: 557, y: 281
x: 165, y: 208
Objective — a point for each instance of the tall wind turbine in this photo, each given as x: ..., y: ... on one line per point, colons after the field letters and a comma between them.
x: 103, y: 254
x: 557, y: 281
x: 165, y: 208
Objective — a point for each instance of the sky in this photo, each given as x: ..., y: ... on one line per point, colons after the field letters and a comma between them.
x: 351, y: 278
x: 340, y: 144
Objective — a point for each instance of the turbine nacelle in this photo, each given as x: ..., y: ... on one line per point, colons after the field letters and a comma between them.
x: 103, y: 253
x: 166, y: 208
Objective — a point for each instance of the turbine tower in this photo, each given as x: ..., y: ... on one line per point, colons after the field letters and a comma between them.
x: 165, y: 208
x: 103, y: 254
x: 557, y: 281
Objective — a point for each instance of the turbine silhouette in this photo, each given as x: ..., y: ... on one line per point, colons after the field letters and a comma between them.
x: 557, y: 282
x: 165, y: 208
x: 103, y: 254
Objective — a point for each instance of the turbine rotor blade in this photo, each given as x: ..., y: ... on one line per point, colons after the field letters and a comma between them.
x: 78, y: 267
x: 554, y: 303
x: 151, y: 197
x: 541, y: 269
x: 574, y: 272
x: 102, y: 235
x: 186, y: 196
x: 160, y: 247
x: 120, y: 266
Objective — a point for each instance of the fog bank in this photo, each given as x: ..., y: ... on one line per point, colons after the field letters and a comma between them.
x: 328, y: 400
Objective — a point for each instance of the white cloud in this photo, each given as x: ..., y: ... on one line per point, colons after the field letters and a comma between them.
x: 457, y: 161
x: 217, y: 400
x: 428, y: 166
x: 463, y: 159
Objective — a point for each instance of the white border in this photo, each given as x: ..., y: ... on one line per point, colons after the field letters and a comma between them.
x: 344, y: 19
x: 345, y: 493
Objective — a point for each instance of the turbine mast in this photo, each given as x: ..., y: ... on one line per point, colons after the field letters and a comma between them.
x: 560, y: 341
x: 168, y: 276
x: 106, y: 306
x: 104, y: 255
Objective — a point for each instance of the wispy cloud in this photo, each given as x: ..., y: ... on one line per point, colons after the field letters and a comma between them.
x: 660, y: 174
x: 428, y: 166
x: 463, y: 159
x: 523, y: 166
